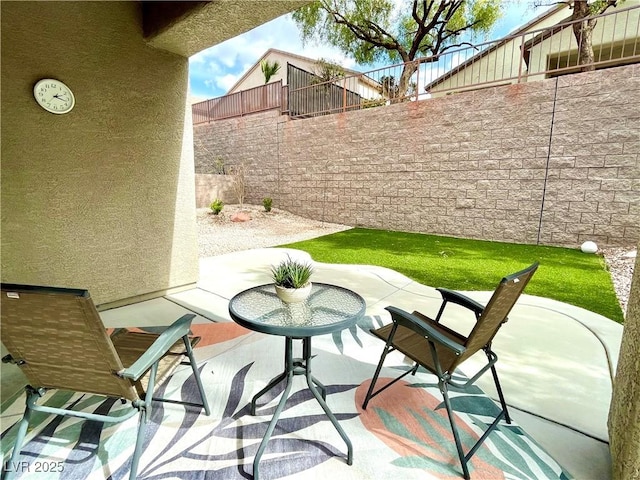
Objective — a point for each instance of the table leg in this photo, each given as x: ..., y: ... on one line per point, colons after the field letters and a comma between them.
x: 306, y: 347
x: 292, y: 368
x: 288, y: 375
x: 288, y: 366
x: 323, y: 389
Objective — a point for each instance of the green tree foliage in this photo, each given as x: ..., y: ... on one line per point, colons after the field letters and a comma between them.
x: 269, y: 69
x: 327, y: 71
x: 399, y: 32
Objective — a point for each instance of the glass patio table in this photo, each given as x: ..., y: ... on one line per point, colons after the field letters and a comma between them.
x: 328, y: 309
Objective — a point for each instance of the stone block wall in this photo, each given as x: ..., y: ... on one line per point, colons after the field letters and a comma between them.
x: 553, y: 162
x: 211, y: 186
x: 594, y: 169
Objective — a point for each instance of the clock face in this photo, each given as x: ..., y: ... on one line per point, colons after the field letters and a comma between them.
x: 54, y: 96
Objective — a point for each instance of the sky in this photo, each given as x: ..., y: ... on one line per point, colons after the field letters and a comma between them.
x: 212, y: 72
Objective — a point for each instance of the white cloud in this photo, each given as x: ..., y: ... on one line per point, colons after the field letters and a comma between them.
x: 227, y: 81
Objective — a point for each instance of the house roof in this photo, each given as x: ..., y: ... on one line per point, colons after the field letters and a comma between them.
x: 519, y: 31
x: 295, y: 56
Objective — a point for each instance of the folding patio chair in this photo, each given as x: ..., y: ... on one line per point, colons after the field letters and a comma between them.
x: 441, y: 350
x: 57, y: 338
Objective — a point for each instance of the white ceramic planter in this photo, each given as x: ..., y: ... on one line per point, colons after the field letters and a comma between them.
x: 293, y: 295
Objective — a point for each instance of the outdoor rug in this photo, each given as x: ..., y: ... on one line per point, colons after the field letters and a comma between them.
x: 404, y: 433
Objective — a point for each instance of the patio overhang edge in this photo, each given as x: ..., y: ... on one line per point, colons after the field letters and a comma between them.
x: 186, y: 28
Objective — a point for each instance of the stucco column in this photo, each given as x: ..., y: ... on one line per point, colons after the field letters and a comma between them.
x: 624, y: 416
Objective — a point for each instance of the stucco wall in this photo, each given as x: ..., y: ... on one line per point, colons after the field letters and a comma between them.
x: 103, y: 197
x: 624, y: 416
x: 554, y: 162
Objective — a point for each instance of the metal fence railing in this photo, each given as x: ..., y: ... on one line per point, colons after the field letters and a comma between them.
x: 525, y: 57
x: 317, y: 101
x: 253, y: 100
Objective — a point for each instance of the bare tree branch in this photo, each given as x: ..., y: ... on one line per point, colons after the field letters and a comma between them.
x: 414, y: 12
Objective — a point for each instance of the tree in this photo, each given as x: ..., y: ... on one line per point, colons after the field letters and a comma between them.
x: 390, y: 90
x: 239, y: 185
x: 583, y: 30
x: 327, y: 71
x: 375, y: 30
x: 269, y: 69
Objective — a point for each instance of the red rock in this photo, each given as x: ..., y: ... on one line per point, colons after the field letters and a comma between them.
x: 240, y: 217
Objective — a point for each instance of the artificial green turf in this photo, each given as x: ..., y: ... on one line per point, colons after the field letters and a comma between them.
x: 567, y: 275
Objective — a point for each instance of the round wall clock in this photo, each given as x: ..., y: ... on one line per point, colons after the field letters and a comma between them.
x: 54, y: 96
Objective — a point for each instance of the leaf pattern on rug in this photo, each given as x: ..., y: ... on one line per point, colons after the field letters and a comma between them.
x: 299, y: 455
x: 413, y: 442
x: 412, y: 421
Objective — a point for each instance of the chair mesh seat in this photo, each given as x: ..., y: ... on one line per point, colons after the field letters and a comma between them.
x: 417, y: 348
x: 61, y: 344
x: 131, y: 345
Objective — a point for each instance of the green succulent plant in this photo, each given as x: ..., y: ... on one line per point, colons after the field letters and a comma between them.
x: 291, y: 273
x: 216, y: 206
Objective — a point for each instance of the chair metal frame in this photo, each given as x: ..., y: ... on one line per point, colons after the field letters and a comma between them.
x: 173, y: 346
x: 446, y: 349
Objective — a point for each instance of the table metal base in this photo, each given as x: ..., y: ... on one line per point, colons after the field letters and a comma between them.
x: 296, y: 366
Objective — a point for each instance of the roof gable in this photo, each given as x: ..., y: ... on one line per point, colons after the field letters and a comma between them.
x: 294, y: 59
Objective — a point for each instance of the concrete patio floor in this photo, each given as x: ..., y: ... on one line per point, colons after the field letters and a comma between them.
x: 556, y: 361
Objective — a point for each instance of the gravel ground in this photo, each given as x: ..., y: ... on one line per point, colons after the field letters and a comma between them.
x: 620, y: 262
x: 218, y: 234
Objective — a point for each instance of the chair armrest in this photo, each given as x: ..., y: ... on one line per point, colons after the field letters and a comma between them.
x: 421, y: 328
x: 456, y: 297
x: 159, y: 348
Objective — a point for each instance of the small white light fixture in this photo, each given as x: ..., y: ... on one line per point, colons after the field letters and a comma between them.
x: 589, y: 247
